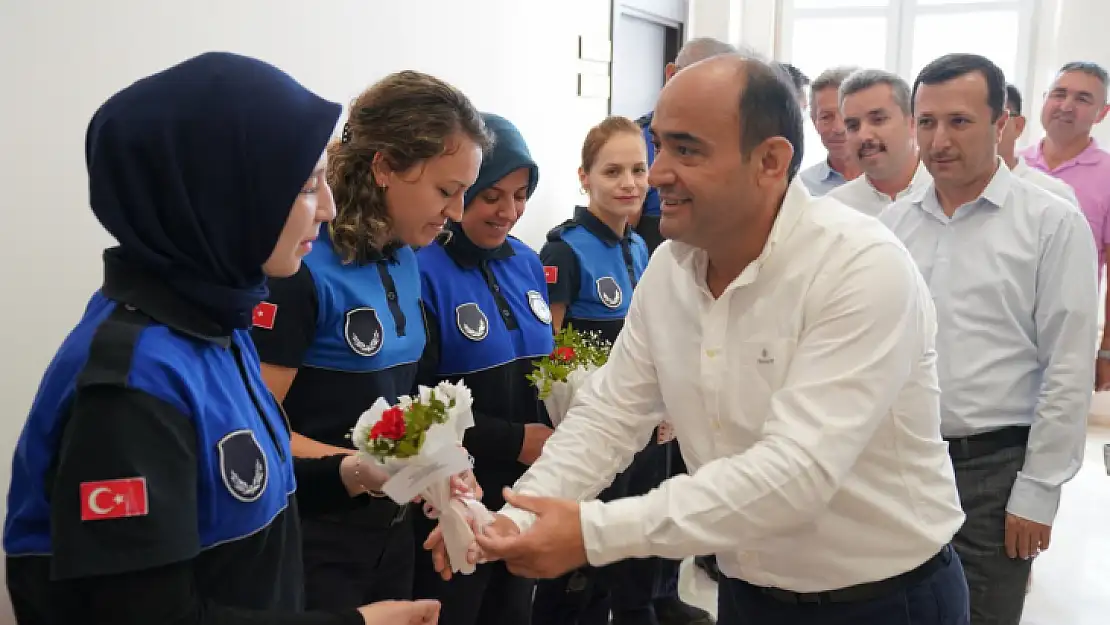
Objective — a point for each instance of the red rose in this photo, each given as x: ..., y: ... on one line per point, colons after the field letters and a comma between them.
x: 566, y: 354
x: 391, y: 426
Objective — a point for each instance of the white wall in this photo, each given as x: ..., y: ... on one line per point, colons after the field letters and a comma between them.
x: 60, y: 60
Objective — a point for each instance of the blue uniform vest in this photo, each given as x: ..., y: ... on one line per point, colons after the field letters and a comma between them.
x: 357, y: 328
x: 199, y: 378
x: 473, y: 335
x: 605, y: 287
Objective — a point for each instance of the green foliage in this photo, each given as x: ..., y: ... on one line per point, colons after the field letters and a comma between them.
x: 419, y: 418
x: 573, y: 349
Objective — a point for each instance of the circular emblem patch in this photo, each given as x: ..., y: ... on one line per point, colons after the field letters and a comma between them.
x: 363, y: 331
x: 471, y: 321
x: 243, y: 465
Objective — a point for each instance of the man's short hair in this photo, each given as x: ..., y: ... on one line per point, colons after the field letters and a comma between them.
x: 863, y: 79
x: 700, y: 49
x: 769, y: 108
x: 798, y: 77
x: 1089, y: 68
x: 1013, y: 99
x: 831, y: 78
x: 952, y: 66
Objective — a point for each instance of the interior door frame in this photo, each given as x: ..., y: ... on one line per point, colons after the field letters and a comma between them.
x: 631, y: 8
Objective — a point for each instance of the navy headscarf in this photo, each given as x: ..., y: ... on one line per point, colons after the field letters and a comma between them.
x: 194, y: 171
x: 509, y: 153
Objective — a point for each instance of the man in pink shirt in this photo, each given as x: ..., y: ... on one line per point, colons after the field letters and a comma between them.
x: 1076, y: 102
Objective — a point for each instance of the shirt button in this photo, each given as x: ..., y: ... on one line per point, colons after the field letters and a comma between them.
x: 505, y: 313
x: 391, y: 296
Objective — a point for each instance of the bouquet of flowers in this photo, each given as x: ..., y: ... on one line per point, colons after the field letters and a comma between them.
x: 559, y: 376
x: 418, y: 442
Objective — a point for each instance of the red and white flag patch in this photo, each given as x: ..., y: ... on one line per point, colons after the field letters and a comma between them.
x: 551, y: 274
x: 114, y: 499
x: 265, y: 314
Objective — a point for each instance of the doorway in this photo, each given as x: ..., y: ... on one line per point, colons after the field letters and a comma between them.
x: 645, y: 39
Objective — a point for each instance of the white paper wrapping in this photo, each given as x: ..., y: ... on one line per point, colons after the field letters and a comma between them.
x: 428, y: 474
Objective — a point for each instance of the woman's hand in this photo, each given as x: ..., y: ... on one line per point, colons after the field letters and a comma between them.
x: 423, y: 612
x: 462, y: 485
x: 362, y: 477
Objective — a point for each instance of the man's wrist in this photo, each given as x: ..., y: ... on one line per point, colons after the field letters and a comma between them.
x: 1103, y: 354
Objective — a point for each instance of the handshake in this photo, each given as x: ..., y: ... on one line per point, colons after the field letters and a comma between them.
x: 551, y: 546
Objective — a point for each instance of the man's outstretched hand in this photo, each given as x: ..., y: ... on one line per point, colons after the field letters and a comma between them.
x: 552, y: 546
x: 501, y: 526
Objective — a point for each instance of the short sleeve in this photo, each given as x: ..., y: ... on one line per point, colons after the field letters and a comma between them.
x: 123, y: 492
x: 285, y: 323
x: 560, y: 268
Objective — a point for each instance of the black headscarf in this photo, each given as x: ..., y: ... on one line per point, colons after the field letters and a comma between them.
x: 194, y: 171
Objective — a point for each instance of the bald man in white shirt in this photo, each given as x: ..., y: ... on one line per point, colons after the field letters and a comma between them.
x: 790, y: 340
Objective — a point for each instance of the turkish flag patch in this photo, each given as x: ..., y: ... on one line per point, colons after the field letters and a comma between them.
x: 114, y: 499
x: 265, y: 314
x: 551, y: 274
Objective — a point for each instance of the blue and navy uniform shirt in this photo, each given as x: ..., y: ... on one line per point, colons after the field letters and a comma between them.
x: 593, y: 272
x: 152, y: 441
x: 651, y: 200
x: 353, y: 330
x: 488, y: 322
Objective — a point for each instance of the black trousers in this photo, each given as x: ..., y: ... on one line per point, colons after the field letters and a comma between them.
x: 627, y: 588
x: 358, y: 558
x: 939, y: 599
x: 996, y: 581
x: 491, y: 595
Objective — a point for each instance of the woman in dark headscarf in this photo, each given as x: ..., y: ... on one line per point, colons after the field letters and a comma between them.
x: 153, y: 481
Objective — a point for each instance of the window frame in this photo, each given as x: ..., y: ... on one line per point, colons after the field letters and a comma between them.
x: 900, y: 16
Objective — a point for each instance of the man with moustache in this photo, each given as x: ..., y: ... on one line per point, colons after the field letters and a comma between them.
x: 791, y: 340
x: 876, y: 109
x: 1075, y: 103
x: 1012, y: 271
x: 1017, y: 164
x: 840, y: 166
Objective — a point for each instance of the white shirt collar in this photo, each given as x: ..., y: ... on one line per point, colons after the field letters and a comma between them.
x: 794, y: 204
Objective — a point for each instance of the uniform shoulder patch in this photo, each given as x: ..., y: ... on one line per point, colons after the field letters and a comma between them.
x: 539, y: 306
x: 550, y: 274
x: 243, y: 466
x: 265, y: 314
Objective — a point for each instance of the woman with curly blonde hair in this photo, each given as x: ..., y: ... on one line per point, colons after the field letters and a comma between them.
x: 348, y: 328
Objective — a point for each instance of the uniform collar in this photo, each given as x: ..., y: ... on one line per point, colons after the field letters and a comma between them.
x: 139, y: 289
x: 467, y: 254
x: 367, y: 254
x: 596, y: 227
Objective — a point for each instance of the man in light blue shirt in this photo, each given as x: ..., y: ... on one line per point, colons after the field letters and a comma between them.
x: 841, y: 165
x: 1012, y: 270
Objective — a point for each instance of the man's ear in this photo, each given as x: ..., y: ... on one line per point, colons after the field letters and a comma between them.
x: 670, y: 71
x: 772, y: 159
